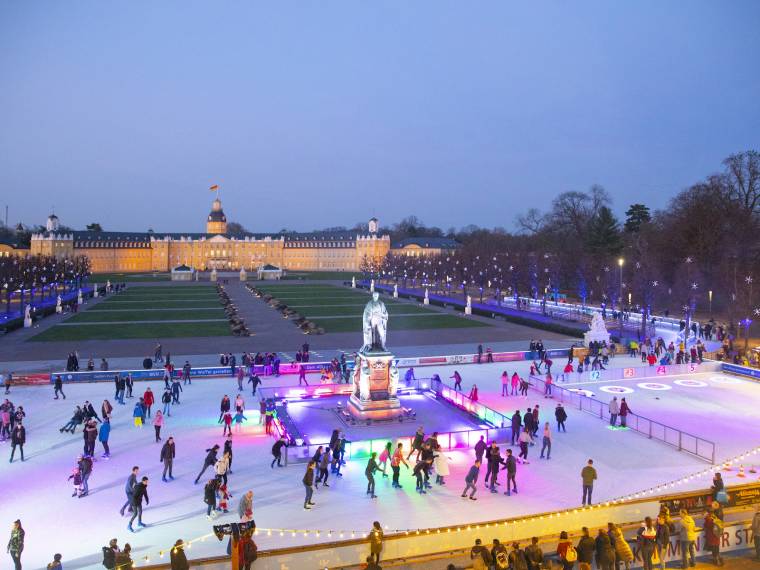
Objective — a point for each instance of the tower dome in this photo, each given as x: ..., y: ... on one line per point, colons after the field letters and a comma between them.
x: 216, y: 223
x: 52, y: 223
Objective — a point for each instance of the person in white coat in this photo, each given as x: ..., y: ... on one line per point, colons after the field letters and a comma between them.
x: 441, y: 464
x: 614, y: 411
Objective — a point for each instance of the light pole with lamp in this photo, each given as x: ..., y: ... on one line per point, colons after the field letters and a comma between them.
x: 709, y: 296
x: 621, y: 261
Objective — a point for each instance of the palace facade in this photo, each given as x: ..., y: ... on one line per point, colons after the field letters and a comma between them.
x: 215, y: 249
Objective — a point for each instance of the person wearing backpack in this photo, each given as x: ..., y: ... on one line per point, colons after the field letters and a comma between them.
x: 109, y: 554
x: 567, y: 554
x: 481, y: 559
x: 586, y: 549
x: 499, y: 555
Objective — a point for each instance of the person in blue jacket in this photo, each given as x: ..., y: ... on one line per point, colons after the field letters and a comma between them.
x: 103, y: 434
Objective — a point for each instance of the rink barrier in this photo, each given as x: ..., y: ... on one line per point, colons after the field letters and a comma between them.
x: 294, y: 367
x: 739, y: 370
x: 683, y: 441
x: 401, y: 547
x: 635, y: 372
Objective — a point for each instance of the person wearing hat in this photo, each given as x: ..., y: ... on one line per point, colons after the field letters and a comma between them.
x: 177, y: 556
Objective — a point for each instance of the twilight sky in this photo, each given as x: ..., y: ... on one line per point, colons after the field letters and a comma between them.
x: 321, y: 113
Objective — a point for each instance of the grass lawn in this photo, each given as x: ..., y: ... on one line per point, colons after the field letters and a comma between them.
x: 358, y: 310
x: 104, y: 316
x: 126, y: 331
x: 128, y: 277
x: 174, y: 304
x: 314, y: 275
x: 352, y: 324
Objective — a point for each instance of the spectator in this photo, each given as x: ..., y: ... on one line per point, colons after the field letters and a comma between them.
x: 588, y: 475
x: 481, y: 559
x: 178, y: 558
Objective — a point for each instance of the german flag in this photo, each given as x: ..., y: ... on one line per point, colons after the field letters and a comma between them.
x: 214, y: 187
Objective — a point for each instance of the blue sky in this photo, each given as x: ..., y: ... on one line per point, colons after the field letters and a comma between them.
x: 314, y: 114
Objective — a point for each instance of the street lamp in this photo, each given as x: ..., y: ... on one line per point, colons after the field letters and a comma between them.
x: 709, y: 296
x: 621, y: 261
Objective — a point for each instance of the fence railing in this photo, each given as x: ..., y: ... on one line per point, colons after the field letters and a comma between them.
x: 674, y: 437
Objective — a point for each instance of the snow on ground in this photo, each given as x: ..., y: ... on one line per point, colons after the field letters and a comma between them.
x: 38, y: 493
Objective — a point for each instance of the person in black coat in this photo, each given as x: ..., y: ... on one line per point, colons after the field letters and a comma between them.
x: 168, y: 453
x: 277, y: 452
x: 561, y: 415
x: 178, y: 558
x: 209, y: 496
x: 516, y: 423
x: 58, y: 387
x: 210, y: 461
x: 18, y: 438
x: 139, y: 493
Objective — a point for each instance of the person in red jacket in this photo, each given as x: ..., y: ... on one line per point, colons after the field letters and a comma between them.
x: 148, y: 399
x: 624, y: 411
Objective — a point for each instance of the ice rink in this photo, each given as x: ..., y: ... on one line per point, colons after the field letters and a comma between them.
x: 719, y: 407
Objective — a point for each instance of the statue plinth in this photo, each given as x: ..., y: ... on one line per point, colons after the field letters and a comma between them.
x: 375, y: 384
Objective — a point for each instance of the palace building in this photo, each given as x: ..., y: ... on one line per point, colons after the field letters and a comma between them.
x: 214, y: 249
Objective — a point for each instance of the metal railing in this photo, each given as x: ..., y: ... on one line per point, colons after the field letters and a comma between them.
x: 674, y: 437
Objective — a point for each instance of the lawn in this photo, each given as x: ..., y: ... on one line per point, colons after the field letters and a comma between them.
x: 321, y: 302
x: 104, y: 316
x: 175, y: 304
x: 127, y: 331
x: 326, y: 275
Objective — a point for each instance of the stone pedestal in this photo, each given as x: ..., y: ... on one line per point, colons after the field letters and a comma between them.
x: 95, y: 291
x: 395, y: 291
x: 426, y: 300
x: 468, y: 306
x: 243, y: 275
x: 213, y: 276
x: 80, y: 300
x: 375, y: 383
x: 27, y: 322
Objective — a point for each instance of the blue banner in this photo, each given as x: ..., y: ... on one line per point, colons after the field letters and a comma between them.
x: 741, y: 370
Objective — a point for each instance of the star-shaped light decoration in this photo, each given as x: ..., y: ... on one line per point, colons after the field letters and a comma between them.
x: 757, y: 312
x: 685, y: 308
x: 606, y: 268
x: 694, y: 286
x: 655, y: 283
x: 638, y: 265
x: 511, y: 267
x: 689, y: 259
x: 748, y: 279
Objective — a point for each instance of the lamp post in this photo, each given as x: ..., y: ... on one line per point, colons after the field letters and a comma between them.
x: 621, y: 261
x: 709, y: 296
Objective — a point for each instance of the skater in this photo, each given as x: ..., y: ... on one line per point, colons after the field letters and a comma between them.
x: 240, y: 375
x: 158, y: 423
x: 85, y: 468
x: 210, y: 461
x: 224, y: 498
x: 228, y: 450
x: 222, y: 467
x: 245, y: 507
x: 75, y: 420
x: 186, y: 373
x: 419, y: 471
x: 510, y: 465
x: 18, y: 439
x: 130, y: 384
x: 624, y: 411
x: 504, y: 384
x: 90, y: 435
x: 323, y: 464
x: 76, y: 475
x: 239, y: 403
x: 525, y: 440
x: 16, y: 543
x: 254, y: 380
x: 474, y: 393
x: 137, y: 414
x: 480, y: 448
x: 129, y: 489
x: 224, y: 407
x: 560, y: 415
x: 396, y: 460
x: 148, y: 400
x: 588, y: 475
x: 441, y: 465
x: 419, y: 437
x: 58, y: 387
x: 516, y: 423
x: 103, y: 434
x: 308, y: 483
x: 166, y: 400
x: 547, y: 442
x: 301, y: 375
x: 139, y: 493
x: 227, y: 420
x: 209, y: 497
x: 168, y: 452
x: 369, y: 472
x: 614, y: 409
x: 106, y: 409
x: 457, y: 381
x: 385, y: 455
x: 277, y: 451
x: 239, y: 419
x: 471, y: 480
x: 494, y: 461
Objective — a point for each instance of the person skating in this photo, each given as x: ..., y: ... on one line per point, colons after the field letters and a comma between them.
x: 510, y: 465
x: 224, y: 498
x: 137, y: 414
x: 396, y: 460
x: 222, y: 467
x: 254, y: 380
x: 18, y: 439
x: 103, y: 434
x: 76, y: 480
x: 166, y: 400
x: 277, y: 451
x: 106, y: 409
x: 525, y: 440
x: 209, y: 461
x: 84, y: 463
x: 624, y: 411
x: 480, y: 448
x: 227, y: 421
x: 139, y: 493
x: 457, y: 382
x: 561, y: 416
x: 224, y: 407
x: 239, y: 419
x: 614, y: 409
x: 471, y: 480
x: 209, y: 497
x: 308, y: 483
x: 168, y: 452
x: 129, y: 489
x: 158, y: 423
x: 90, y: 435
x: 441, y: 465
x: 516, y: 425
x: 149, y: 400
x: 418, y: 472
x: 494, y: 462
x: 186, y: 369
x: 58, y: 387
x: 588, y: 476
x: 75, y: 420
x: 385, y: 455
x: 419, y: 437
x: 16, y: 543
x: 547, y: 442
x: 228, y: 450
x: 323, y: 465
x: 245, y: 507
x: 369, y: 472
x: 130, y: 384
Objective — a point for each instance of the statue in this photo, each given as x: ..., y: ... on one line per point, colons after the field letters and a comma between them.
x: 353, y: 282
x: 79, y: 297
x: 95, y: 290
x: 395, y: 291
x: 468, y: 307
x: 374, y: 324
x: 27, y: 316
x: 372, y: 286
x: 426, y: 301
x: 58, y: 305
x: 108, y: 285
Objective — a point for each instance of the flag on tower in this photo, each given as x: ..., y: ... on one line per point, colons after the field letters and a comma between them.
x: 214, y: 187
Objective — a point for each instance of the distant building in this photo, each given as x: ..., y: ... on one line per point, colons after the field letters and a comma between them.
x: 154, y: 251
x: 422, y: 246
x: 9, y: 248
